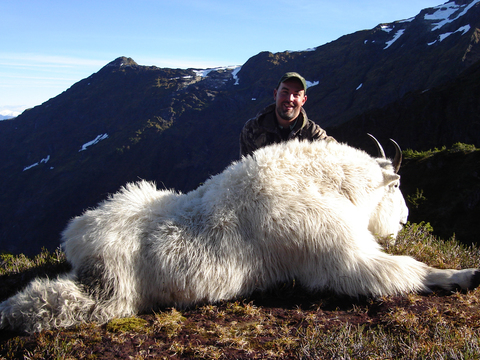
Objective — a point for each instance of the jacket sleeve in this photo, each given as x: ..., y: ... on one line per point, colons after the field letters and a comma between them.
x: 317, y: 133
x: 247, y: 144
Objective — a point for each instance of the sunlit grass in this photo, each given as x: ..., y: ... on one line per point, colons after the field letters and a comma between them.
x: 409, y: 327
x: 10, y: 264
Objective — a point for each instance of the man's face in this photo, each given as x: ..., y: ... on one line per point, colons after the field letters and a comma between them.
x: 289, y: 99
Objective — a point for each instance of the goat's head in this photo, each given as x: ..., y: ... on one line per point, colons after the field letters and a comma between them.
x: 391, y: 212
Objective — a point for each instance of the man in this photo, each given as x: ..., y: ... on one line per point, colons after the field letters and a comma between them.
x: 284, y: 120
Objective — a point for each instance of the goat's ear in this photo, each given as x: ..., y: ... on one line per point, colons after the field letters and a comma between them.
x: 390, y: 178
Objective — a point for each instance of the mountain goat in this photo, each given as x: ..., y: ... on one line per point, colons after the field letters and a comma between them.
x: 297, y: 210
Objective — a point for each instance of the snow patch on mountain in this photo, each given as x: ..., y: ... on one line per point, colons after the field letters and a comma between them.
x: 205, y: 72
x: 443, y: 13
x: 43, y: 161
x: 386, y: 28
x: 441, y: 37
x: 93, y: 142
x: 235, y: 75
x: 397, y: 36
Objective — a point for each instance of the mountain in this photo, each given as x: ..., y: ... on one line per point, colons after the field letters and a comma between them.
x: 422, y: 120
x: 179, y: 126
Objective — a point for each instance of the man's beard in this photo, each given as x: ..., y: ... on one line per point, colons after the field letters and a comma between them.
x: 288, y: 115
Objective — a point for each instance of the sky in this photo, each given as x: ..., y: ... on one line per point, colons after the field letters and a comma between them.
x: 46, y: 46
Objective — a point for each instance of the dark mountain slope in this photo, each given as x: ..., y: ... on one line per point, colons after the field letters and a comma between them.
x: 423, y: 120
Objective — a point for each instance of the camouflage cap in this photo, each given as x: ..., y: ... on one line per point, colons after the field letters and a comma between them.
x: 293, y: 75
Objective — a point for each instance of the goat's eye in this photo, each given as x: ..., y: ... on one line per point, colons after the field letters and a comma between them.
x: 394, y: 185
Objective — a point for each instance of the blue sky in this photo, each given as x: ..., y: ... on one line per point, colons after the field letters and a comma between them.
x: 47, y: 46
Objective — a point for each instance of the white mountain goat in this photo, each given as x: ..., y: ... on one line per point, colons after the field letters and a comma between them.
x: 296, y: 210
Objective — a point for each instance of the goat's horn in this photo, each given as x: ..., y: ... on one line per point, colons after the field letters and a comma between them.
x: 397, y: 161
x: 381, y: 153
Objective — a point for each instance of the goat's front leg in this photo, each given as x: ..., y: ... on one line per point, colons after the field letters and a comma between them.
x: 449, y: 279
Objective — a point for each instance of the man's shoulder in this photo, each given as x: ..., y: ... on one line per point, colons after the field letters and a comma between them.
x: 259, y: 120
x: 250, y: 125
x: 312, y: 124
x: 313, y: 131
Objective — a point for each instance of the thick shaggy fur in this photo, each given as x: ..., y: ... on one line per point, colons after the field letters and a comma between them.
x: 299, y: 210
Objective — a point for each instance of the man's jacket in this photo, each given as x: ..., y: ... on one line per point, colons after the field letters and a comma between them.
x: 263, y: 130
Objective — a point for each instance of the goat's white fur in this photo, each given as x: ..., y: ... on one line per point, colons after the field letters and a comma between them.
x: 297, y: 210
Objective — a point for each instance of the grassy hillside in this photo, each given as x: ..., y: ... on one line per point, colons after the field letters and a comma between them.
x: 287, y: 322
x: 442, y: 186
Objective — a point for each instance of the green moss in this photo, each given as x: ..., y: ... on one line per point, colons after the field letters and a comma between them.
x: 463, y: 147
x: 457, y: 147
x: 414, y: 154
x: 132, y: 324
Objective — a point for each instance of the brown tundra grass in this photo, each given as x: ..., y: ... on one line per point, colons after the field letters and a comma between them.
x: 285, y: 323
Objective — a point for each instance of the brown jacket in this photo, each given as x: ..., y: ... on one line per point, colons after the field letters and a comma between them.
x: 262, y: 130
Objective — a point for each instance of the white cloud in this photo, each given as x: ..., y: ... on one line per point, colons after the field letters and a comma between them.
x: 45, y: 61
x: 12, y: 110
x: 30, y: 79
x: 9, y: 113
